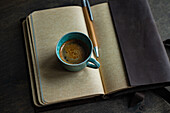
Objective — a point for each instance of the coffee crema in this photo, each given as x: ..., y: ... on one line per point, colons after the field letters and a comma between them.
x: 74, y: 51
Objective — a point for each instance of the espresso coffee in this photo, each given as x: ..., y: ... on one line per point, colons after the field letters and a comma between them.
x: 74, y: 51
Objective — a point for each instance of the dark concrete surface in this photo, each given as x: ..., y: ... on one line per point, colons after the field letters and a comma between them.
x: 161, y: 13
x: 15, y: 90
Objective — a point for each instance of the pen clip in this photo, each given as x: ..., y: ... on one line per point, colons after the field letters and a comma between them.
x: 89, y: 10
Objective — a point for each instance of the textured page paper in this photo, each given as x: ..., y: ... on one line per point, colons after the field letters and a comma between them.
x: 34, y: 63
x: 57, y: 84
x: 29, y: 63
x: 112, y: 69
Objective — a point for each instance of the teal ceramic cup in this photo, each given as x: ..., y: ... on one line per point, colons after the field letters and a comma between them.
x: 89, y: 62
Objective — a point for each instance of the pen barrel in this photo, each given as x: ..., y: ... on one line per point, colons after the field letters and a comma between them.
x: 90, y: 27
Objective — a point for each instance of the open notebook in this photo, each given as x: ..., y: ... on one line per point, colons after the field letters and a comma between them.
x: 53, y: 84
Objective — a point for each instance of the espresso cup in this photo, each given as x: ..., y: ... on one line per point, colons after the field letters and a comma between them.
x: 78, y: 59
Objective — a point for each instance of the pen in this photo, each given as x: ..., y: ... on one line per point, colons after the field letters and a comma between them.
x: 89, y: 18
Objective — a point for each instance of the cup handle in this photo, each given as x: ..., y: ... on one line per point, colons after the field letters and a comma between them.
x: 94, y: 63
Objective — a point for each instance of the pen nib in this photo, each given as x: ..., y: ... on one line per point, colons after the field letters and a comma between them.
x: 96, y: 51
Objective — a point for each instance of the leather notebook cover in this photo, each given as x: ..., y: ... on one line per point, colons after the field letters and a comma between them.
x: 145, y: 58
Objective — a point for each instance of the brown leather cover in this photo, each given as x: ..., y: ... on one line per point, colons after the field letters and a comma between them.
x: 145, y: 58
